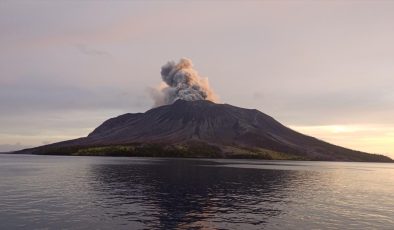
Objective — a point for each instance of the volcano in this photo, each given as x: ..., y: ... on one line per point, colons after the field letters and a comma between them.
x: 202, y: 129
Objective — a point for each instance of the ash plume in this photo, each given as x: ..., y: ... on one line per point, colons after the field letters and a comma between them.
x: 181, y: 81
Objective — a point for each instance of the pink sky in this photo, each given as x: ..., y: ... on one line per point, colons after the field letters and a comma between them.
x: 324, y: 68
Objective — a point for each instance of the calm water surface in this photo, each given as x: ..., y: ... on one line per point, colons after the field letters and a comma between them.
x: 57, y: 192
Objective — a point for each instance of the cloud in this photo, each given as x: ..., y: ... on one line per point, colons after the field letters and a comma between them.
x: 304, y: 72
x: 36, y: 94
x: 373, y: 138
x: 85, y: 49
x: 12, y: 147
x: 313, y: 107
x: 181, y: 81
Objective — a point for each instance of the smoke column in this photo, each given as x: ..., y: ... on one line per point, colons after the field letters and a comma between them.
x: 181, y: 81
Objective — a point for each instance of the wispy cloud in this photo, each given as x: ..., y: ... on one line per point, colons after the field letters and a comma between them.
x: 12, y: 147
x: 323, y: 64
x: 88, y: 50
x: 374, y: 138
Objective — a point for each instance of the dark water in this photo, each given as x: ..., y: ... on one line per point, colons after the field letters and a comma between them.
x: 54, y: 192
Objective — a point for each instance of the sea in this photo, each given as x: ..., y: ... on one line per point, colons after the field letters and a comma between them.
x: 75, y: 192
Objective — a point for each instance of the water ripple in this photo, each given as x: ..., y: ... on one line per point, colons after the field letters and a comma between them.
x: 39, y: 192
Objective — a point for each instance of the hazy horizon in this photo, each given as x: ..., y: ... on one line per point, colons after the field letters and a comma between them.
x: 323, y: 68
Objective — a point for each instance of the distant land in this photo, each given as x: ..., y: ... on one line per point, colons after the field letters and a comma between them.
x: 202, y: 128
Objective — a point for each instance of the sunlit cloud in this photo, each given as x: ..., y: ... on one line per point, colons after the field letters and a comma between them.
x: 88, y: 50
x: 331, y: 77
x: 374, y: 138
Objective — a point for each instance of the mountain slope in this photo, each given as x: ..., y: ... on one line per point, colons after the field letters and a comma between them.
x: 229, y: 129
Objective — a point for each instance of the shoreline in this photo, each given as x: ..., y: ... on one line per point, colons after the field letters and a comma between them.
x: 191, y: 157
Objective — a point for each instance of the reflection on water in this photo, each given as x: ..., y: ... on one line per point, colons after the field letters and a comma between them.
x: 186, y: 193
x: 144, y: 193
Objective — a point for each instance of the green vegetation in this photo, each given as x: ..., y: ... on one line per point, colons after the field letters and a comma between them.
x: 116, y: 150
x: 258, y: 153
x: 188, y: 150
x: 191, y: 149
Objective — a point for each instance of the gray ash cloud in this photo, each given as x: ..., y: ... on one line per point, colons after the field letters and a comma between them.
x: 181, y: 81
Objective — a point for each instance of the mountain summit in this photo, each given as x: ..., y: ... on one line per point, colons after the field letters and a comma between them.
x: 202, y: 129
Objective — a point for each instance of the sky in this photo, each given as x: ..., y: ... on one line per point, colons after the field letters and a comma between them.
x: 324, y: 68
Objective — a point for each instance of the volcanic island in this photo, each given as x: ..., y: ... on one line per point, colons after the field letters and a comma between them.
x: 186, y: 122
